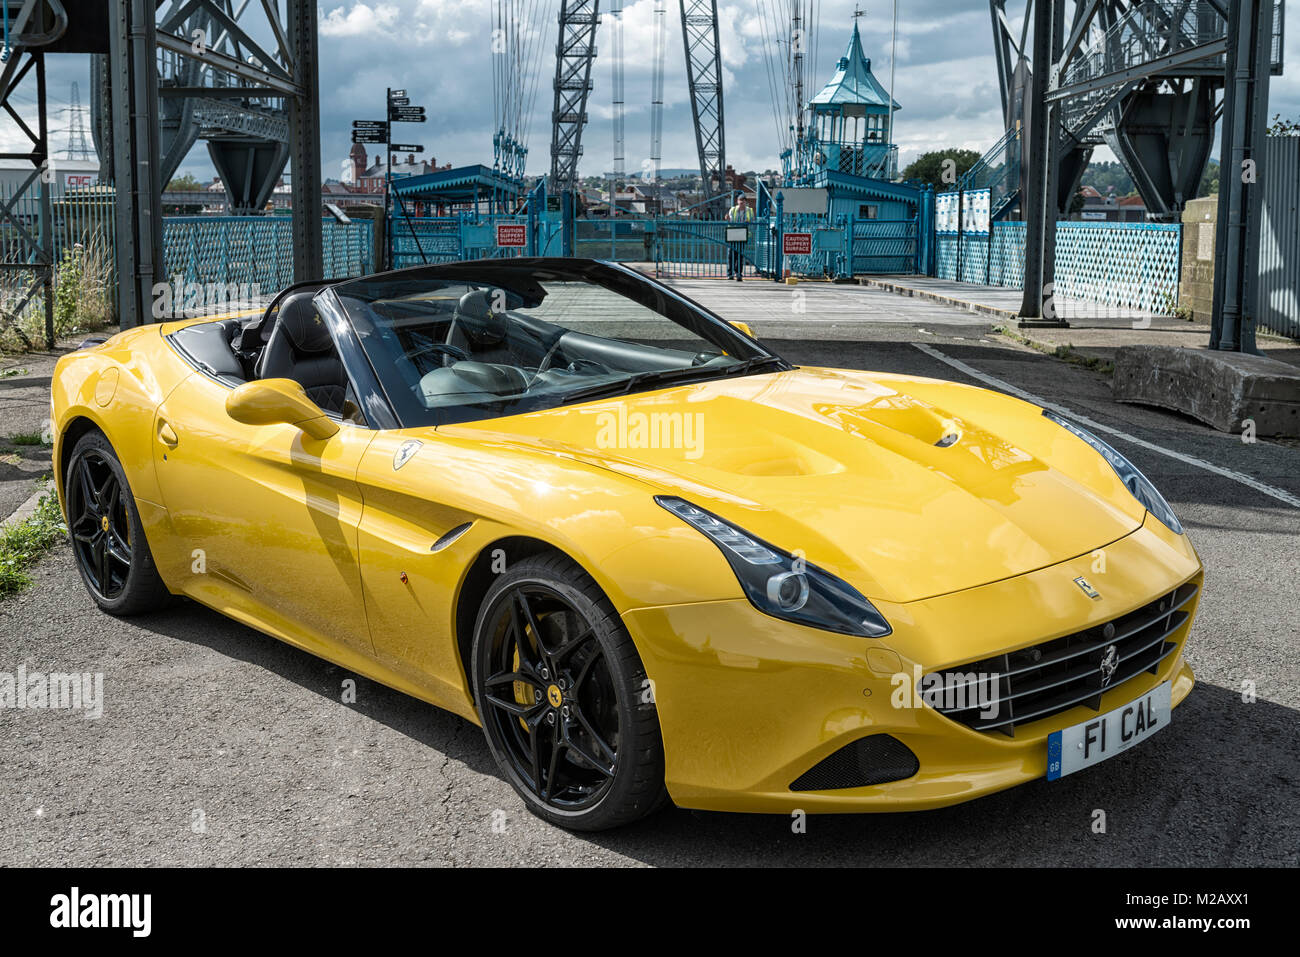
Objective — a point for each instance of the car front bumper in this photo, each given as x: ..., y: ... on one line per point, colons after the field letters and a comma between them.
x: 748, y: 703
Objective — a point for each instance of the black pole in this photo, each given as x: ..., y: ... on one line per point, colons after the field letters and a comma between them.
x: 388, y: 177
x: 304, y: 142
x: 1245, y: 117
x: 45, y: 233
x: 1042, y: 201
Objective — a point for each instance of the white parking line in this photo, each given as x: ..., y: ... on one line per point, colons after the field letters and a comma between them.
x: 1262, y: 487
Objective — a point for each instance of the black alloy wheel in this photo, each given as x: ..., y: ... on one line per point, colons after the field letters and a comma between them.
x: 104, y: 527
x: 99, y: 524
x: 562, y: 696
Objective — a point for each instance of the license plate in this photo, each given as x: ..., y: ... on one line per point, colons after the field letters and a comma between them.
x: 1102, y: 737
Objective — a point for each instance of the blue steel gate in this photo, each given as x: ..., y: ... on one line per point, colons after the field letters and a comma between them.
x: 441, y: 239
x: 884, y: 247
x: 674, y: 246
x: 699, y: 248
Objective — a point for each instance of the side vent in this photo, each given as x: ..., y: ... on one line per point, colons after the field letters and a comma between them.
x: 877, y: 759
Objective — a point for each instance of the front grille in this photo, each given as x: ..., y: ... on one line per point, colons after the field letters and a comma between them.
x: 998, y: 693
x: 871, y: 760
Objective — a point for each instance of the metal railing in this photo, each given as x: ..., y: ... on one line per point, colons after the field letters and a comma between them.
x: 1128, y: 266
x: 997, y: 170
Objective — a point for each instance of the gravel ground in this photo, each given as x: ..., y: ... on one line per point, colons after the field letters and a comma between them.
x: 220, y: 746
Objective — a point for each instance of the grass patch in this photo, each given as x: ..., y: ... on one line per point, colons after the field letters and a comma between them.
x: 26, y: 438
x: 12, y: 373
x: 83, y: 299
x: 1065, y: 353
x: 22, y: 544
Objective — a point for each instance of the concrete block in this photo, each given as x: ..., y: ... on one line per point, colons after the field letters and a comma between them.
x: 1222, y: 389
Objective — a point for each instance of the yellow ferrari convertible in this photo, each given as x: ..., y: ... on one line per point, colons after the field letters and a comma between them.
x: 651, y: 558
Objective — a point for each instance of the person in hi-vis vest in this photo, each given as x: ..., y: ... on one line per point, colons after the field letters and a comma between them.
x: 740, y: 213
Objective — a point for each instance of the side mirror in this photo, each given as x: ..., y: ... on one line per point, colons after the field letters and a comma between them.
x: 271, y: 401
x: 743, y: 327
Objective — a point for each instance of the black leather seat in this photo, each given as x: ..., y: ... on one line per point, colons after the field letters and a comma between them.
x: 300, y: 348
x: 480, y: 331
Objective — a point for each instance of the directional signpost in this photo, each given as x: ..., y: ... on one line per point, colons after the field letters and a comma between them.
x: 399, y: 111
x: 369, y: 131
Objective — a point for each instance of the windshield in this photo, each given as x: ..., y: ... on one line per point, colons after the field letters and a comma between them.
x: 460, y: 343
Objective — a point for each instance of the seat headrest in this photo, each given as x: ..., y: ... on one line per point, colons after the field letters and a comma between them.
x: 476, y: 304
x: 476, y: 317
x: 303, y: 325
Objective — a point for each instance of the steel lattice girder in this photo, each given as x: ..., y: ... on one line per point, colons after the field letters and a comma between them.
x: 1135, y: 64
x: 223, y: 62
x: 575, y: 52
x: 30, y: 249
x: 704, y: 74
x: 1107, y: 59
x: 216, y: 117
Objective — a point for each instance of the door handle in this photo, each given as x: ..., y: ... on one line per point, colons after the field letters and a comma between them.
x: 167, y: 435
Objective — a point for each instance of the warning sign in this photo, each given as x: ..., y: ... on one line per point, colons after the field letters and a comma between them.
x: 796, y: 244
x: 513, y: 235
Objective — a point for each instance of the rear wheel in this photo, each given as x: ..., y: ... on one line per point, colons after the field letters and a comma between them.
x: 107, y: 537
x: 564, y: 698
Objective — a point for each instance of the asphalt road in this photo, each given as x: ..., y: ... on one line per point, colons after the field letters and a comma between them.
x: 219, y: 746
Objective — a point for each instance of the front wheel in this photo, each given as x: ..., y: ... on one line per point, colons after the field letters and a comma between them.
x: 564, y: 699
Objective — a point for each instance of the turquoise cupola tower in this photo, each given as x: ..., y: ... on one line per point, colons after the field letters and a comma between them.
x: 850, y: 121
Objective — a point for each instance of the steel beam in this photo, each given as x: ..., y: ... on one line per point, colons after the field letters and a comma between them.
x: 304, y: 140
x: 29, y: 252
x: 1170, y: 64
x: 704, y: 76
x: 136, y: 148
x: 228, y: 64
x: 575, y: 52
x: 1245, y: 120
x: 1042, y: 161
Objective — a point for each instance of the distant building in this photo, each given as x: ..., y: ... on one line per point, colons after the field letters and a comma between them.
x: 69, y: 175
x: 369, y: 177
x: 1109, y: 208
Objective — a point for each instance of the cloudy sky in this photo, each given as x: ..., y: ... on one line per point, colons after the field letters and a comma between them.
x: 440, y: 51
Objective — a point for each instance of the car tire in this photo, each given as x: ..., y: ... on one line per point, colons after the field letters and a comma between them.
x: 105, y: 532
x: 583, y: 693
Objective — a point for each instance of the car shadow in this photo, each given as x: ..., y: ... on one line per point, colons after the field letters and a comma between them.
x: 196, y: 624
x: 1217, y: 788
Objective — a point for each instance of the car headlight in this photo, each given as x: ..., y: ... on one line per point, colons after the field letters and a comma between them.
x: 1128, y: 473
x: 782, y: 585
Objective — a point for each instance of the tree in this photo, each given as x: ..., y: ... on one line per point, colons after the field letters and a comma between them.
x: 1107, y: 177
x: 1281, y: 127
x: 934, y: 168
x: 186, y: 183
x: 1210, y: 181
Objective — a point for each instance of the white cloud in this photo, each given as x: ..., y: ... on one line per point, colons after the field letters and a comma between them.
x: 361, y: 20
x: 440, y: 51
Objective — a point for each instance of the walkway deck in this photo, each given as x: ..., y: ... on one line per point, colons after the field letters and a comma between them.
x: 1002, y: 303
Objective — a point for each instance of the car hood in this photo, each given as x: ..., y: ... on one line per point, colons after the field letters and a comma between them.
x: 908, y: 488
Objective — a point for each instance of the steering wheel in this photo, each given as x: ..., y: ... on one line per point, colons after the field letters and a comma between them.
x: 446, y: 349
x: 599, y: 368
